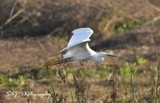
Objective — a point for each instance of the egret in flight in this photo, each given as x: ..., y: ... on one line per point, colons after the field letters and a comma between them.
x: 78, y: 48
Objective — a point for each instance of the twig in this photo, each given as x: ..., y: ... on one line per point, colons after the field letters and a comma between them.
x: 156, y: 18
x: 1, y: 31
x: 27, y: 18
x: 53, y: 95
x: 114, y: 93
x: 13, y: 17
x: 155, y: 7
x: 153, y: 20
x: 157, y: 72
x: 132, y: 82
x: 133, y: 88
x: 70, y: 90
x: 13, y: 8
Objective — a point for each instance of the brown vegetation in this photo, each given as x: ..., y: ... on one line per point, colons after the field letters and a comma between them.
x: 33, y: 31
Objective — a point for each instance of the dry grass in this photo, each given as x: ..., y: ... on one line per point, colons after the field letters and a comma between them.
x: 34, y: 31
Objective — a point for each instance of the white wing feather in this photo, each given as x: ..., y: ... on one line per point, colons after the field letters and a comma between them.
x: 80, y: 35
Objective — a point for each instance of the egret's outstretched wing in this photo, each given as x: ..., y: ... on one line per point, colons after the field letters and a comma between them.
x: 80, y: 35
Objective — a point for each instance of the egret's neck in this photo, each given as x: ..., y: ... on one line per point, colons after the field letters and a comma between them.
x: 92, y: 52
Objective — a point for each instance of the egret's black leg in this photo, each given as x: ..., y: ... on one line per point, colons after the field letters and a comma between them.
x: 52, y: 62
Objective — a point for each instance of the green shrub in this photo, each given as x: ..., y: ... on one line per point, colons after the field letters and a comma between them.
x: 141, y: 60
x: 126, y: 70
x: 12, y: 82
x: 124, y: 24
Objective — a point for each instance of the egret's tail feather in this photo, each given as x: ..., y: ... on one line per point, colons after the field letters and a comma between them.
x: 52, y: 62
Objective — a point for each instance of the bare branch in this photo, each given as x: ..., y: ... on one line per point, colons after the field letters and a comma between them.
x: 13, y: 17
x: 155, y: 7
x: 153, y: 20
x: 13, y: 8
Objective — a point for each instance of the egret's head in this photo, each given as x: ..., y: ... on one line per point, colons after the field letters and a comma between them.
x: 101, y: 55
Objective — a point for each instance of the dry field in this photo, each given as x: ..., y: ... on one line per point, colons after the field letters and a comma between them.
x: 34, y: 31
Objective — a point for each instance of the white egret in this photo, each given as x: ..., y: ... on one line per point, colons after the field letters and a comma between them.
x: 78, y: 48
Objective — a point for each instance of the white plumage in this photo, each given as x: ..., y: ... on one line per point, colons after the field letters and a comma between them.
x: 78, y: 48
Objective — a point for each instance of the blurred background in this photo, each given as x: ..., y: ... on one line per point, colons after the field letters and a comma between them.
x: 33, y: 31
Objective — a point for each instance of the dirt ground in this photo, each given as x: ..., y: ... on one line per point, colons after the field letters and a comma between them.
x: 38, y: 34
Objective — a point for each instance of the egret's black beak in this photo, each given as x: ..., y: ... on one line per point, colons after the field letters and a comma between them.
x: 111, y: 55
